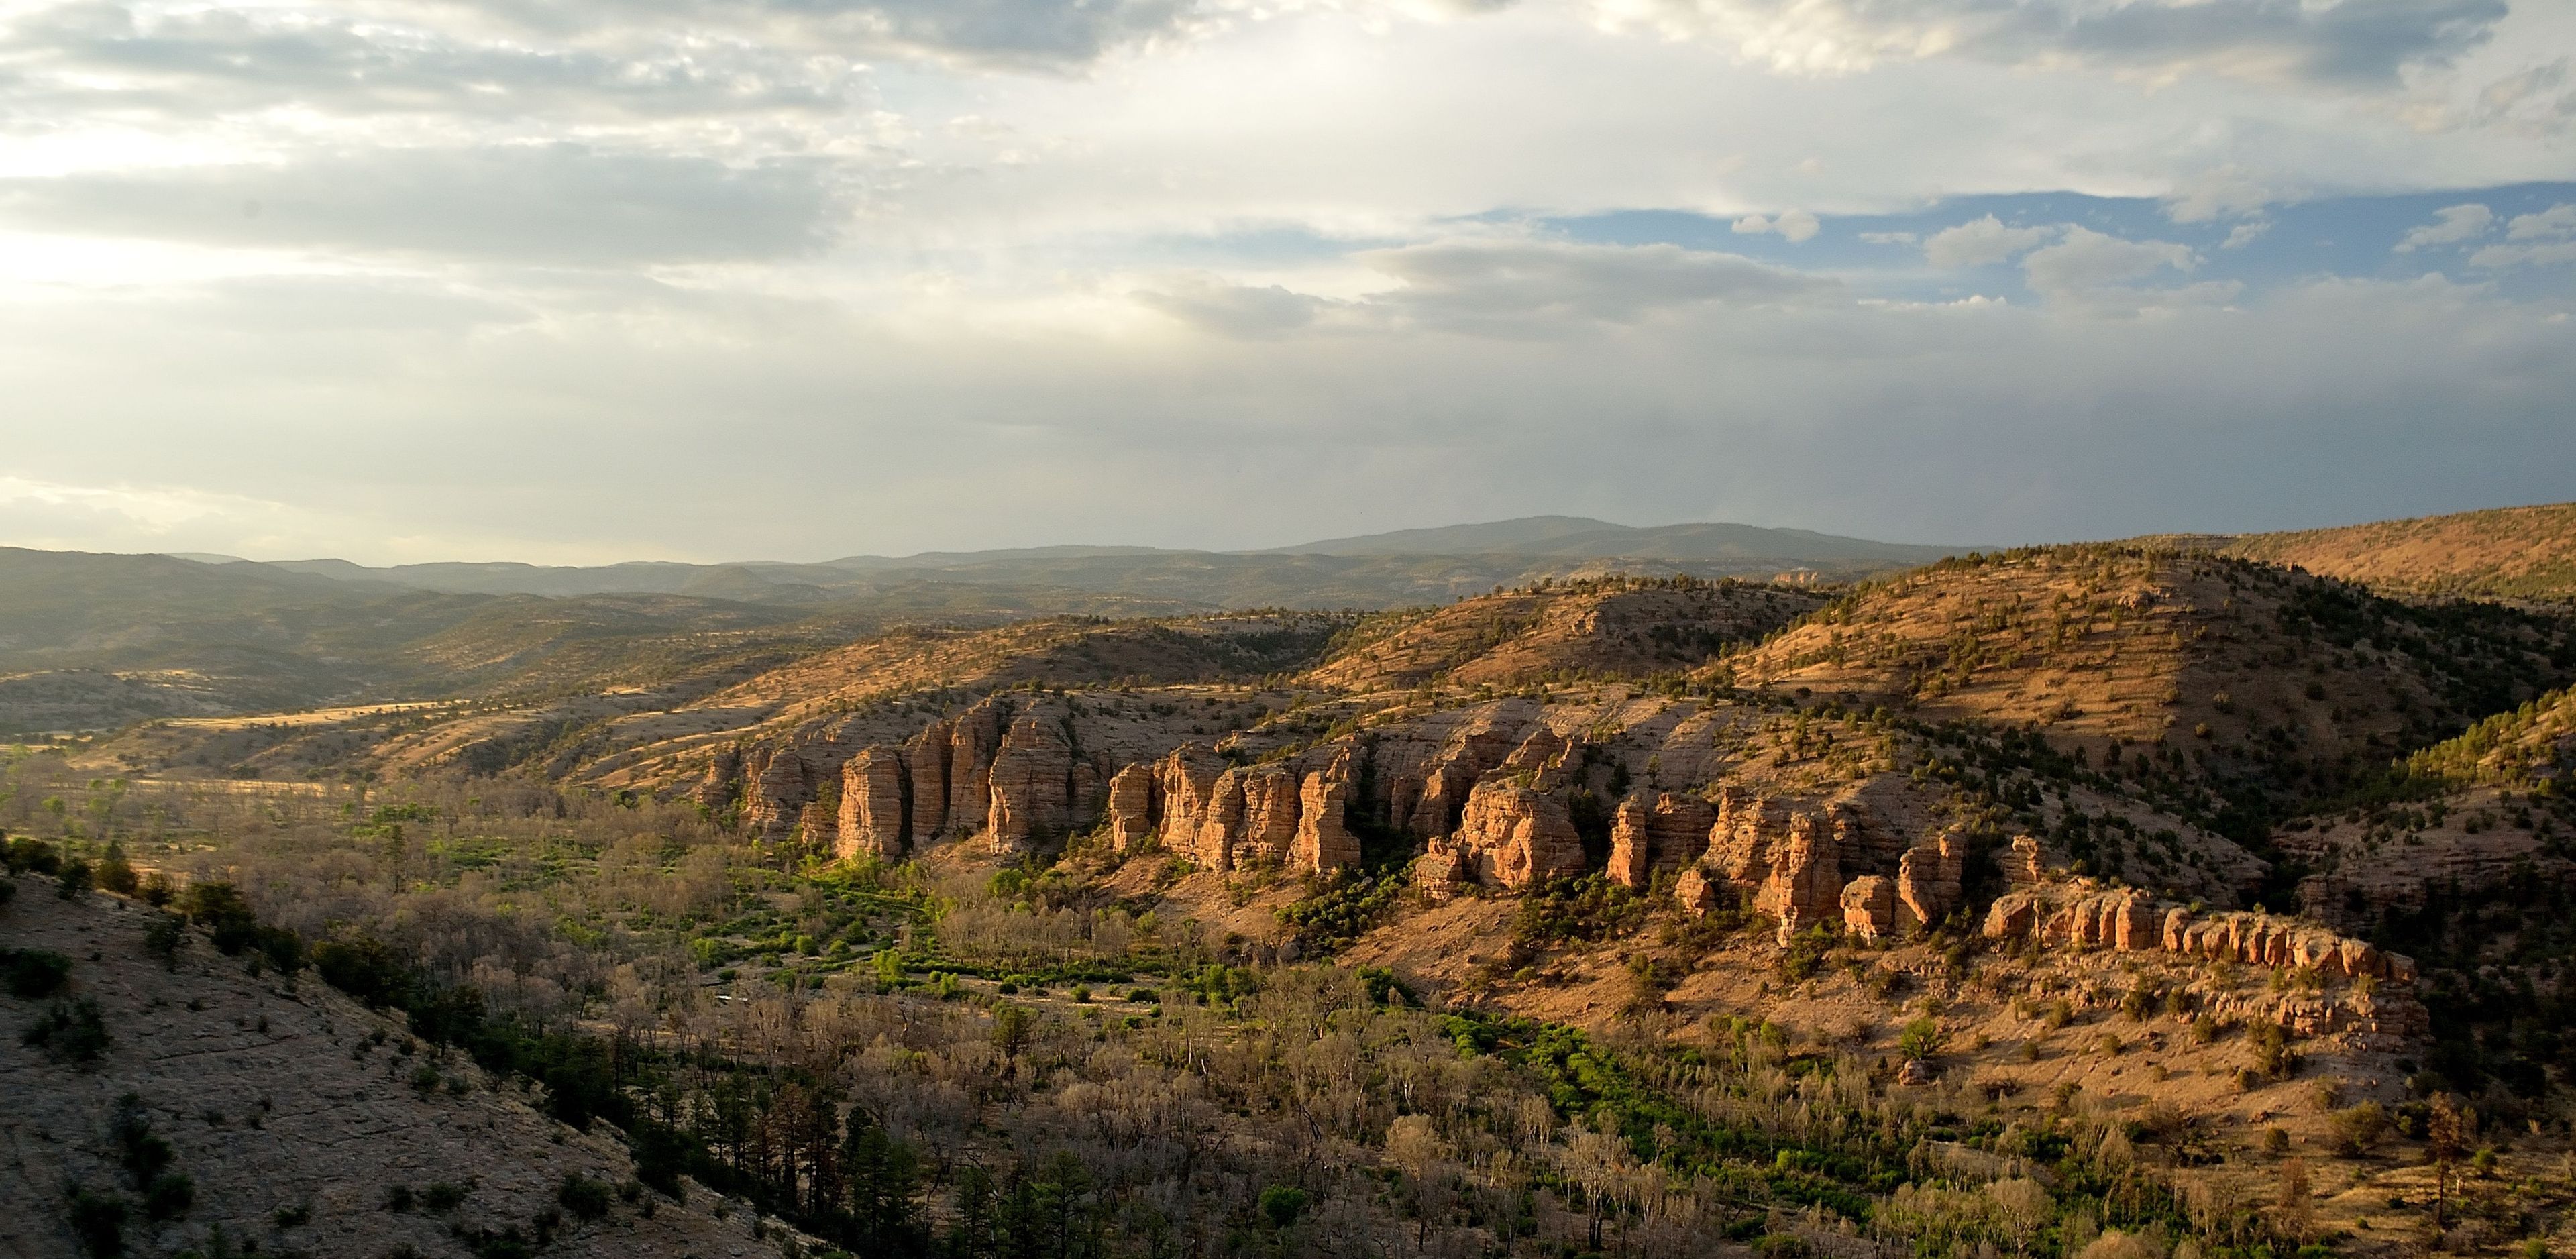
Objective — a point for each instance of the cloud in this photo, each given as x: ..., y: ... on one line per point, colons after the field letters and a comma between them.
x: 2348, y: 42
x: 1235, y: 310
x: 91, y: 57
x: 2542, y: 240
x: 1035, y: 34
x: 1796, y: 225
x: 2450, y: 226
x: 2227, y: 192
x: 1982, y: 242
x: 1497, y: 286
x: 1889, y: 238
x: 2556, y: 221
x: 2090, y: 266
x: 2244, y: 234
x: 556, y: 204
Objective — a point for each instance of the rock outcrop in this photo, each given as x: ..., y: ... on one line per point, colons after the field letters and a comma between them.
x: 1029, y: 783
x: 1806, y: 882
x: 2129, y: 921
x: 1324, y: 841
x: 1646, y: 840
x: 925, y: 759
x: 1927, y: 879
x: 1130, y: 807
x: 873, y: 818
x: 1869, y: 906
x: 1512, y: 836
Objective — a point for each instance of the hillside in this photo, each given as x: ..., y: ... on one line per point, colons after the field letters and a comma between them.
x: 2305, y: 680
x: 2526, y: 553
x: 193, y: 1106
x: 1608, y: 627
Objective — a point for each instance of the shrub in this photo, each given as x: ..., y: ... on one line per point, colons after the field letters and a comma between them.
x: 156, y: 890
x: 30, y: 856
x: 35, y: 973
x: 71, y: 1032
x: 99, y: 1222
x: 163, y: 938
x: 220, y: 909
x: 399, y: 1199
x: 424, y: 1079
x: 443, y: 1196
x: 169, y: 1196
x: 363, y: 968
x: 116, y: 874
x: 2358, y: 1128
x: 1920, y: 1039
x: 1282, y: 1204
x: 73, y: 879
x: 584, y: 1197
x: 296, y: 1216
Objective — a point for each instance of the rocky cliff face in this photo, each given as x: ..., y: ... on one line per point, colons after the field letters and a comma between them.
x: 875, y: 817
x: 1647, y: 839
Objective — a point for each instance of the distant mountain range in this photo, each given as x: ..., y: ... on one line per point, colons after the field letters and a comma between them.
x: 1375, y: 570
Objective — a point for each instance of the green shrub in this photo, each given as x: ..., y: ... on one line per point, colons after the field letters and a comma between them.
x: 400, y: 1199
x: 169, y: 1196
x: 443, y: 1196
x: 73, y: 879
x: 1920, y: 1039
x: 71, y: 1032
x: 116, y: 874
x: 99, y: 1222
x: 1282, y: 1204
x: 296, y: 1216
x: 30, y: 856
x: 163, y: 938
x: 584, y: 1197
x: 34, y: 974
x: 220, y: 909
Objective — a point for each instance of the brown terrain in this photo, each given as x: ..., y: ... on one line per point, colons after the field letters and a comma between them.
x: 2220, y: 853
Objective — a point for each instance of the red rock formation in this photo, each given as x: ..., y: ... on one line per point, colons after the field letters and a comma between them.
x: 1030, y: 782
x: 972, y: 741
x: 872, y: 817
x: 1646, y: 840
x: 1869, y: 906
x: 1629, y: 844
x: 1514, y: 836
x: 1186, y: 782
x: 1473, y: 750
x: 2132, y: 921
x: 925, y: 757
x: 1131, y: 807
x: 779, y: 790
x: 2021, y: 864
x: 1806, y: 884
x: 1927, y: 880
x: 715, y: 790
x: 1323, y: 843
x: 1270, y: 807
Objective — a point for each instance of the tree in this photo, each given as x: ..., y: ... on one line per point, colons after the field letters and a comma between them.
x: 883, y: 1174
x: 2294, y: 1202
x: 116, y: 874
x: 2445, y: 1137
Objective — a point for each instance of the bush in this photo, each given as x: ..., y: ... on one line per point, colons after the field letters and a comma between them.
x: 163, y: 938
x: 34, y: 974
x: 296, y: 1216
x: 363, y: 968
x: 99, y: 1222
x: 1282, y: 1204
x: 116, y: 874
x: 399, y: 1199
x: 443, y: 1196
x: 220, y: 909
x: 1920, y: 1039
x: 584, y: 1197
x: 169, y: 1196
x: 73, y: 879
x: 71, y: 1032
x: 30, y: 856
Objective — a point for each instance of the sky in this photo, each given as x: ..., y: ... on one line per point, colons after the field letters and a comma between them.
x: 594, y: 280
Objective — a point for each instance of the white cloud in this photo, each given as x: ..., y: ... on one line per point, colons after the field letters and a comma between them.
x: 2244, y: 234
x: 2506, y: 257
x: 1982, y: 242
x: 2358, y: 42
x: 1795, y: 225
x: 2450, y: 226
x: 2227, y: 192
x: 2088, y: 265
x: 2550, y: 224
x: 1889, y: 238
x: 1514, y: 286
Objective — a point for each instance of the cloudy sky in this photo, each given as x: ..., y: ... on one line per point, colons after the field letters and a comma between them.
x: 588, y: 280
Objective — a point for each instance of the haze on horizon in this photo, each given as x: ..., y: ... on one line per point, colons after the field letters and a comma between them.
x: 408, y: 280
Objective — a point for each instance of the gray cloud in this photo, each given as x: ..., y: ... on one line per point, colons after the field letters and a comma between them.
x: 2087, y: 266
x: 1501, y: 286
x: 558, y: 204
x: 2354, y: 42
x: 1982, y: 242
x: 2451, y: 225
x: 1026, y: 33
x: 95, y: 57
x: 1235, y: 310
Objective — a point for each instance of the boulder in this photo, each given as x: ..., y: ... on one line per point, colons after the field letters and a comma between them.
x: 1513, y: 836
x: 2012, y: 916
